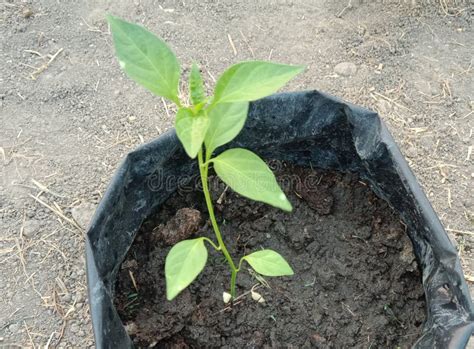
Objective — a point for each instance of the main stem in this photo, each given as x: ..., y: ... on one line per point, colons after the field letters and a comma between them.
x: 203, y: 170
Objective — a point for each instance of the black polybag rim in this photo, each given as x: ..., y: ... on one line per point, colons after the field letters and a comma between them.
x: 295, y: 118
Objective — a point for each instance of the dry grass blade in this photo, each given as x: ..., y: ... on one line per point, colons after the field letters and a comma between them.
x: 247, y: 43
x: 45, y: 66
x: 48, y: 343
x: 2, y: 151
x: 469, y: 278
x: 133, y: 280
x: 45, y: 189
x: 231, y: 42
x: 464, y: 232
x: 59, y: 213
x: 392, y: 101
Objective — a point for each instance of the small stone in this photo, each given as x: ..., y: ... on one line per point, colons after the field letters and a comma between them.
x: 31, y: 227
x: 80, y: 298
x: 345, y: 69
x: 129, y: 264
x: 426, y: 87
x: 27, y: 12
x: 317, y: 340
x: 74, y: 328
x: 257, y: 297
x: 279, y: 227
x: 384, y: 107
x: 226, y: 297
x: 364, y: 232
x: 428, y: 143
x: 411, y: 152
x: 14, y: 328
x: 406, y: 255
x: 82, y: 213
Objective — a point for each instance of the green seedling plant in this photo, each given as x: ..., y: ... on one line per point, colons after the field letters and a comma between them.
x: 202, y: 125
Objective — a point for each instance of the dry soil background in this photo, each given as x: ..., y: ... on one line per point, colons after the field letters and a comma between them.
x: 68, y: 115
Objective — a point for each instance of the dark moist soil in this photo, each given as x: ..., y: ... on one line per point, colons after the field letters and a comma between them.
x: 356, y: 282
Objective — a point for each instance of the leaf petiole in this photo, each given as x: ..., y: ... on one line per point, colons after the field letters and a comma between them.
x: 217, y: 248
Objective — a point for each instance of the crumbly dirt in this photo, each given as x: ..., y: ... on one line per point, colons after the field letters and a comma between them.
x: 356, y: 282
x: 68, y: 124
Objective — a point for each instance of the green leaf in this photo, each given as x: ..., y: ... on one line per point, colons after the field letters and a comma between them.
x: 146, y: 58
x: 268, y: 263
x: 226, y: 121
x: 191, y: 130
x: 183, y: 264
x: 196, y: 86
x: 250, y: 176
x: 252, y: 80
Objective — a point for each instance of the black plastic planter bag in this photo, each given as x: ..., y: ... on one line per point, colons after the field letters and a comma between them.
x: 300, y: 128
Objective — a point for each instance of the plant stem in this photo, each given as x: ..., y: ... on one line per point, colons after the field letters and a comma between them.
x: 233, y: 278
x: 203, y: 170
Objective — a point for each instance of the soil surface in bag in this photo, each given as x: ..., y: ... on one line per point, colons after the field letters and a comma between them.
x: 356, y: 282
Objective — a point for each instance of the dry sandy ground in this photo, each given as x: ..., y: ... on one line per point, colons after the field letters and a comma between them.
x: 68, y: 115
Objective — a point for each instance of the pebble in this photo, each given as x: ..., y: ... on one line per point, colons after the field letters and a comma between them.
x: 74, y: 328
x: 14, y: 328
x: 426, y: 87
x: 27, y: 12
x: 279, y: 227
x: 80, y: 298
x: 131, y: 328
x: 82, y: 213
x: 364, y: 232
x: 427, y: 143
x: 345, y: 69
x: 411, y: 152
x: 384, y: 107
x: 31, y: 227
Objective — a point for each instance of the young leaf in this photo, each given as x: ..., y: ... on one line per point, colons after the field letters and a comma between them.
x: 191, y: 130
x: 146, y: 58
x: 250, y: 176
x: 249, y: 81
x: 226, y: 121
x: 196, y: 86
x: 183, y: 264
x: 268, y: 263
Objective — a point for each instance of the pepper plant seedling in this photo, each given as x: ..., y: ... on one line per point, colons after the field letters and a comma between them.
x: 204, y: 125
